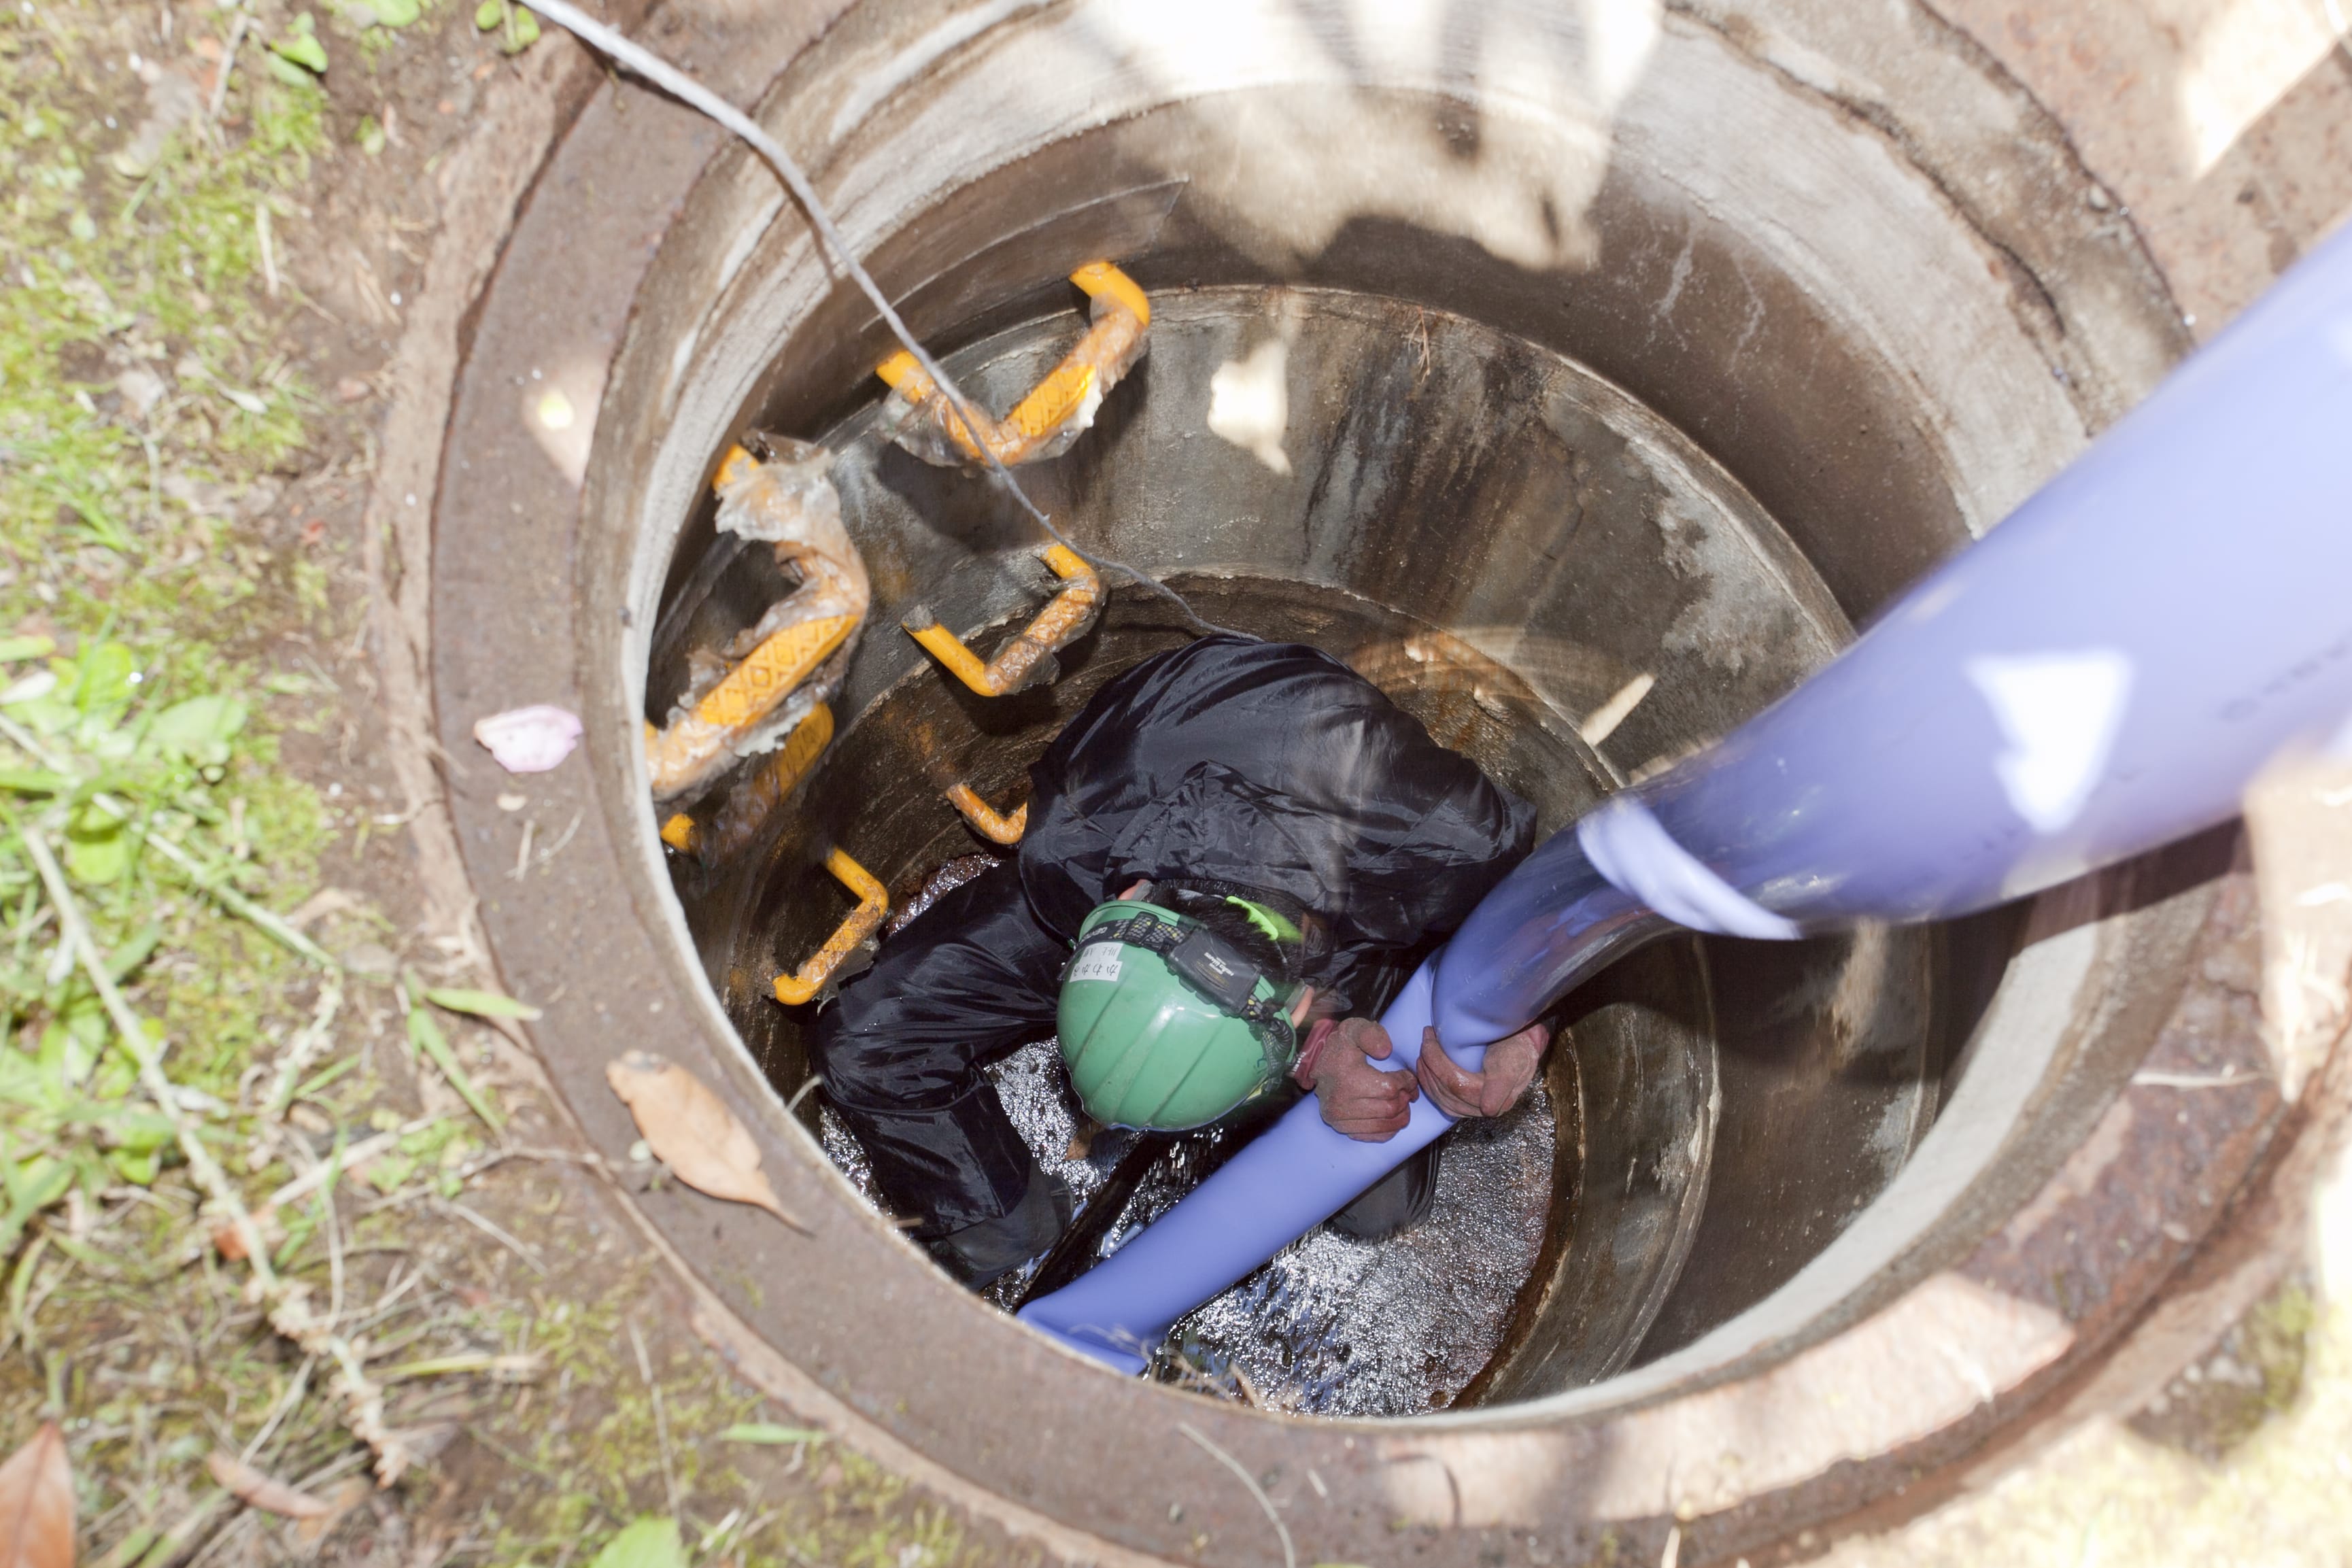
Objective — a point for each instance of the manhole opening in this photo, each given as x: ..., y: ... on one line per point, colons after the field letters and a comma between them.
x: 1496, y: 537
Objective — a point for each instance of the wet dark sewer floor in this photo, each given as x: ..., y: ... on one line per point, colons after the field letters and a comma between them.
x: 1330, y: 1326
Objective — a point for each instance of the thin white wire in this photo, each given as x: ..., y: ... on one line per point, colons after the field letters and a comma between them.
x: 680, y: 85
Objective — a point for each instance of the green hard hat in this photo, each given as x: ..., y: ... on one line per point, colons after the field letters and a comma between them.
x: 1165, y: 1024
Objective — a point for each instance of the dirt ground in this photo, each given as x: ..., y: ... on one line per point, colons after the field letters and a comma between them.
x: 543, y: 1393
x: 212, y: 244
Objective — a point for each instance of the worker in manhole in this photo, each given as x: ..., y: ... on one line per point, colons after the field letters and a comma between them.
x: 1232, y: 853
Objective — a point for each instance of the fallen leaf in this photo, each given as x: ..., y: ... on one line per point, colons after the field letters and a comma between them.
x: 530, y: 739
x: 302, y: 48
x: 480, y: 1004
x: 262, y: 1491
x: 37, y: 1503
x: 525, y: 1367
x: 426, y: 1035
x: 648, y: 1542
x: 230, y: 1244
x: 691, y: 1131
x: 199, y: 728
x: 769, y: 1435
x: 520, y: 25
x: 29, y: 688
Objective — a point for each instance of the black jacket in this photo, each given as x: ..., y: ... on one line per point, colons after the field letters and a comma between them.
x: 1276, y: 769
x: 1267, y: 766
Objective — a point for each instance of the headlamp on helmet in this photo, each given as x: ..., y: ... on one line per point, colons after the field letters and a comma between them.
x: 1167, y: 1024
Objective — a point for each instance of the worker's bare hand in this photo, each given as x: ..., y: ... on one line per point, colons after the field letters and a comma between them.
x: 1359, y: 1099
x: 1496, y: 1086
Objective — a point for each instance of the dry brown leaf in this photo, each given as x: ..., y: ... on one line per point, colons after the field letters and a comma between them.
x: 267, y: 1492
x: 266, y: 1222
x: 37, y: 1503
x: 230, y: 1244
x: 691, y: 1131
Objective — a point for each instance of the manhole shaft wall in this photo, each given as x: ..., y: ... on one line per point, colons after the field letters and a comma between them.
x: 529, y: 591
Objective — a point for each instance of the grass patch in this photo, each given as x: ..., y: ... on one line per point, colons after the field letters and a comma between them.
x: 154, y: 414
x: 142, y: 392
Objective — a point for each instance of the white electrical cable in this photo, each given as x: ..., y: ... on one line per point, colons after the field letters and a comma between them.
x: 681, y: 85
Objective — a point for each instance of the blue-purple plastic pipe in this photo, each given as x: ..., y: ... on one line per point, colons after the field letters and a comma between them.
x: 2099, y: 676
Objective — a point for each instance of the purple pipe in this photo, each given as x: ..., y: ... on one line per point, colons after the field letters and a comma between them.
x: 1310, y: 1166
x: 2099, y: 676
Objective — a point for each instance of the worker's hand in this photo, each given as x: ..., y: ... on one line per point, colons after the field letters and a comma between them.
x: 1496, y: 1086
x: 1359, y: 1099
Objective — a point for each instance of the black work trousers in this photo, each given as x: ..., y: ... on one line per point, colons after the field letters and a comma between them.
x: 969, y: 980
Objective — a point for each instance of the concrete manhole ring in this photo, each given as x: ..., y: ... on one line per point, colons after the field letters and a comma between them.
x: 1986, y: 1289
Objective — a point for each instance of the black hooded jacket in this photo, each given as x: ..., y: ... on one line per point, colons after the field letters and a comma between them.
x: 1269, y: 768
x: 1274, y: 769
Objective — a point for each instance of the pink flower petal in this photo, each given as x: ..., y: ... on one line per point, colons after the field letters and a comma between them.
x: 529, y: 740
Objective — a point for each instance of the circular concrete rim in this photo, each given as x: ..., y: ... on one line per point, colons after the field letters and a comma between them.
x: 494, y: 649
x: 736, y: 292
x: 1145, y: 473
